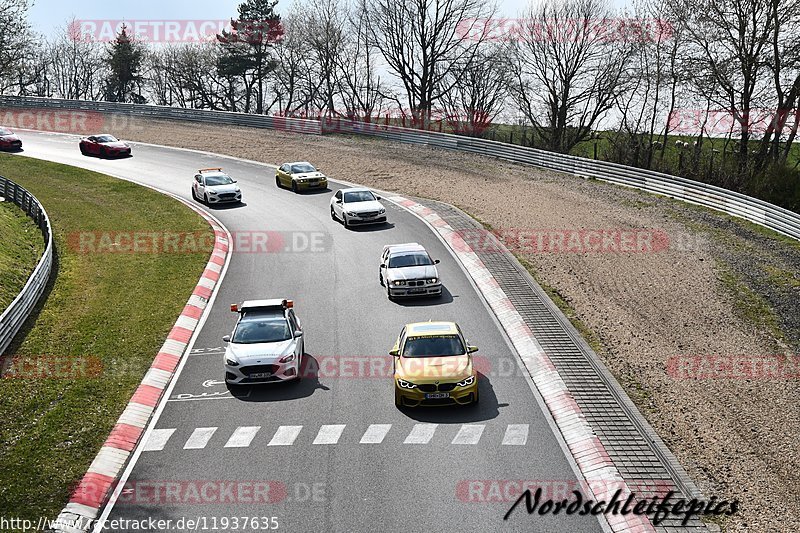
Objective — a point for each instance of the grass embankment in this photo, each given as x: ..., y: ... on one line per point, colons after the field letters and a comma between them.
x: 107, y: 312
x: 21, y: 246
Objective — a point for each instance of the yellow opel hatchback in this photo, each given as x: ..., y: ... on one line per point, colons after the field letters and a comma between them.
x: 433, y: 366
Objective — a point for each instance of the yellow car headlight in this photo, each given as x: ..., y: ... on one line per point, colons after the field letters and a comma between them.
x: 467, y: 382
x: 406, y: 384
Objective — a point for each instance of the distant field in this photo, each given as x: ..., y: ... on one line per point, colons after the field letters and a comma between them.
x: 107, y: 314
x: 21, y: 246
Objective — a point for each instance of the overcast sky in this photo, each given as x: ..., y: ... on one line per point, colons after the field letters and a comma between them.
x: 47, y: 15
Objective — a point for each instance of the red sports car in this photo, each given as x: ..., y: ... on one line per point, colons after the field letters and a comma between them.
x: 9, y: 140
x: 104, y: 146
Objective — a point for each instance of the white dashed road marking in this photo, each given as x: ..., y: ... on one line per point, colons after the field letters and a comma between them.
x: 421, y: 434
x: 199, y: 438
x: 158, y: 439
x: 285, y: 436
x: 242, y: 437
x: 375, y: 433
x: 469, y: 434
x: 516, y: 435
x: 329, y: 434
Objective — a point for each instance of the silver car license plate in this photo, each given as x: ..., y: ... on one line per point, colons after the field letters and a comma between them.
x: 260, y: 375
x: 437, y: 395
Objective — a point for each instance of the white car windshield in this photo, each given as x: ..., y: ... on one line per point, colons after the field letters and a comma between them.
x: 358, y: 196
x: 302, y: 167
x: 435, y: 346
x: 409, y: 260
x: 262, y: 328
x: 218, y: 180
x: 4, y: 131
x: 106, y: 139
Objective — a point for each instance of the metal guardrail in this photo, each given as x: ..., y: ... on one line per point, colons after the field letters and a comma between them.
x: 739, y: 205
x: 20, y: 309
x: 297, y: 125
x: 733, y: 203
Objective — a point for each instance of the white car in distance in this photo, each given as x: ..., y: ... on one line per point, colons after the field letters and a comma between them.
x: 356, y: 206
x: 212, y: 186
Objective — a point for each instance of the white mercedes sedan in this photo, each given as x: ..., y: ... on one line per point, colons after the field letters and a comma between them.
x: 357, y: 206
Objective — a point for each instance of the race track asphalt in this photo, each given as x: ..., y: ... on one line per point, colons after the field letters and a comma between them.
x: 345, y: 485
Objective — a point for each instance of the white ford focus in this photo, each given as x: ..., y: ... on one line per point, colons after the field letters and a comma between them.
x: 266, y: 345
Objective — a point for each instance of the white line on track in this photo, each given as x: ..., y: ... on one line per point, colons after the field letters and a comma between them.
x: 199, y: 438
x: 285, y: 436
x: 242, y: 437
x: 421, y: 434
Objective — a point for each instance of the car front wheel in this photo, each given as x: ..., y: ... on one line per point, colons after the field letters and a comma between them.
x: 294, y: 186
x: 345, y: 223
x: 278, y: 182
x: 333, y: 214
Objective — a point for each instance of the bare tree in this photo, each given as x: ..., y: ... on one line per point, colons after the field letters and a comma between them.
x: 15, y: 34
x: 423, y: 40
x: 479, y: 90
x: 569, y: 69
x: 75, y: 62
x: 361, y: 87
x: 324, y: 27
x: 296, y: 82
x: 730, y: 45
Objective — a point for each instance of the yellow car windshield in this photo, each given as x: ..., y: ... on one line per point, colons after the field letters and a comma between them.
x: 434, y: 346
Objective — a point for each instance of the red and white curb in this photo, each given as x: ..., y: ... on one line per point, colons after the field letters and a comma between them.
x: 603, y: 478
x: 100, y: 480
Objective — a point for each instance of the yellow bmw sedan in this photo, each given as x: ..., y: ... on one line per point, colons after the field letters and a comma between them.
x: 433, y: 366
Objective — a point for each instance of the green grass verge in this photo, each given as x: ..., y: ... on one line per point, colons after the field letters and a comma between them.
x: 21, y: 246
x: 117, y: 308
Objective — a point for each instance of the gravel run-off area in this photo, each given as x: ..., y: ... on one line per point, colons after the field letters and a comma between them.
x: 721, y: 288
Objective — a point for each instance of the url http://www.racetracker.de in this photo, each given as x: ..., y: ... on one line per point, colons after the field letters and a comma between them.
x: 198, y: 523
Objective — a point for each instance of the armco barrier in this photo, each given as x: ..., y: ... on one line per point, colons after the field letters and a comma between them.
x: 163, y: 112
x: 730, y: 202
x: 20, y: 309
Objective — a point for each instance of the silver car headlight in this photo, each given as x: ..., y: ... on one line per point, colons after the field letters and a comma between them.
x: 467, y: 382
x: 382, y: 211
x: 287, y: 358
x: 213, y: 192
x: 433, y: 280
x: 398, y: 283
x: 351, y: 214
x: 230, y: 361
x: 406, y: 384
